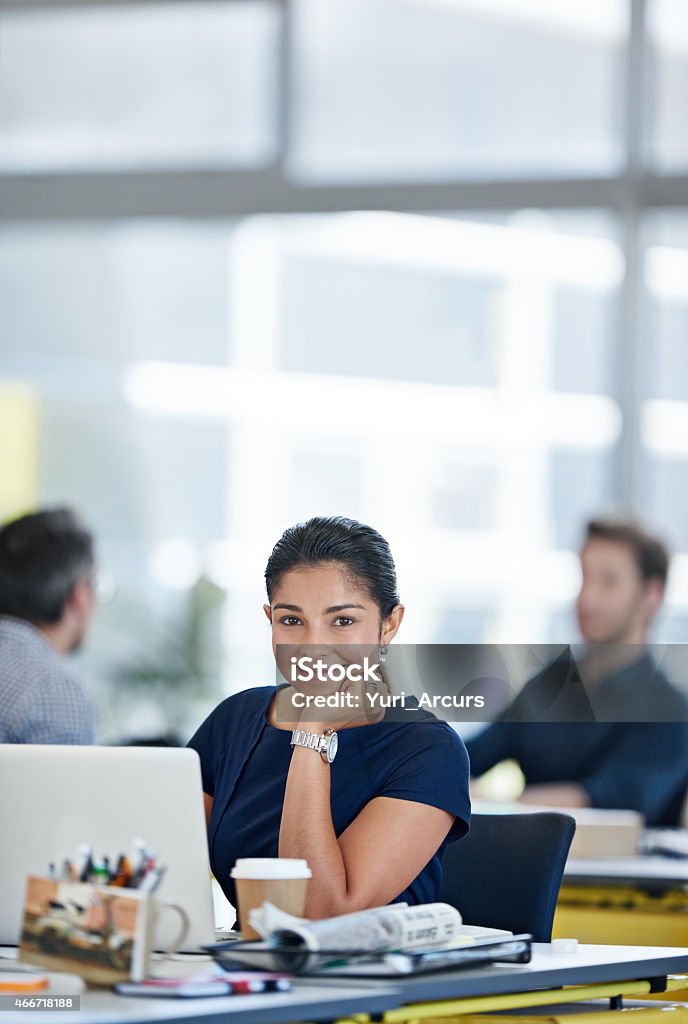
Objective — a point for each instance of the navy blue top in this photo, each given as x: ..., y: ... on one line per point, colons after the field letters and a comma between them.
x: 634, y: 764
x: 245, y: 760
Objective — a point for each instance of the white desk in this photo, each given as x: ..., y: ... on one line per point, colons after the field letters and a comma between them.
x: 627, y: 899
x: 325, y: 1001
x: 652, y: 872
x: 320, y: 999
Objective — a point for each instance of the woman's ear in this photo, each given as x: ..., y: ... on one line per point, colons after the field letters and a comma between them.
x: 268, y: 612
x: 391, y: 624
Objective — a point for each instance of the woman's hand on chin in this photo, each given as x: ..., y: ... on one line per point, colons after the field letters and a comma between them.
x: 344, y: 708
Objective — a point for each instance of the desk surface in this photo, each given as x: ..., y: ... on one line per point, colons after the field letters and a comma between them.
x: 654, y: 871
x: 317, y: 999
x: 324, y: 1001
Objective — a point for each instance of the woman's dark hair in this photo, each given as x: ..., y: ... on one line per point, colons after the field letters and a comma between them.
x: 42, y: 557
x: 362, y: 552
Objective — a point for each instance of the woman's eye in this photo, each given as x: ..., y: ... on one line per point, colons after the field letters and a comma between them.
x: 343, y: 620
x: 290, y: 620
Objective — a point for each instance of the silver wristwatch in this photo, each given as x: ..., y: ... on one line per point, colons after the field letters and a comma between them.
x: 324, y: 743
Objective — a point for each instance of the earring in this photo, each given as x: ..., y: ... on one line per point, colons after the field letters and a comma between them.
x: 383, y: 653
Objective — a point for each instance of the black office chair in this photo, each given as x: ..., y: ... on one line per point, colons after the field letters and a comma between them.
x: 507, y: 871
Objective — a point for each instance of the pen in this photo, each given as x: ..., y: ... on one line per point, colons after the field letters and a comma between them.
x: 86, y: 865
x: 138, y: 860
x: 152, y: 880
x: 149, y: 865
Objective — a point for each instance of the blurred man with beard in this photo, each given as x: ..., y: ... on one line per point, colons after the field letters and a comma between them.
x: 608, y: 731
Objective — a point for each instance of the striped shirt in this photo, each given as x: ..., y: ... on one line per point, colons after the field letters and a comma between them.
x: 40, y: 701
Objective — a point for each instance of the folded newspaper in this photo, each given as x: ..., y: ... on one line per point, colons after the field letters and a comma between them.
x: 299, y: 944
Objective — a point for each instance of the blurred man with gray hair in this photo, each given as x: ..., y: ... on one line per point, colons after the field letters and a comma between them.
x: 46, y: 604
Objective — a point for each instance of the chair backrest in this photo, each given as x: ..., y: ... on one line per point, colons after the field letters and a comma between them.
x: 507, y: 871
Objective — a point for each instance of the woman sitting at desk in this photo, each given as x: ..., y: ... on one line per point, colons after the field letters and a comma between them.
x: 373, y: 821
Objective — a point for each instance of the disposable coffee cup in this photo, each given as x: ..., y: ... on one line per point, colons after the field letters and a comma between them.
x: 281, y: 881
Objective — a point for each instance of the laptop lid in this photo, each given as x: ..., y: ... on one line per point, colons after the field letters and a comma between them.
x: 55, y: 798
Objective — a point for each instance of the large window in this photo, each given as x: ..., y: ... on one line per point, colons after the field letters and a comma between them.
x: 436, y: 88
x: 664, y: 411
x: 138, y: 85
x: 668, y: 85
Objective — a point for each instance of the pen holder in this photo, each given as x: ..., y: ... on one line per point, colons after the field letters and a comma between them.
x: 104, y: 933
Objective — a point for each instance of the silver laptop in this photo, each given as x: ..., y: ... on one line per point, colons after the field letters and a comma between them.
x: 55, y: 798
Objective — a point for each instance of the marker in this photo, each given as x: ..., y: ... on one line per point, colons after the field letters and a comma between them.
x: 122, y: 872
x: 100, y: 874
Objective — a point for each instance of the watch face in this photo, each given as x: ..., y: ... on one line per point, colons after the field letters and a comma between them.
x: 332, y: 744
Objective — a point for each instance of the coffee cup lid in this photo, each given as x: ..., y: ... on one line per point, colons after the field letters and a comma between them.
x: 271, y: 867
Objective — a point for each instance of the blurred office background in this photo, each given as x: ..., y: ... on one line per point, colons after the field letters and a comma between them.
x: 419, y: 262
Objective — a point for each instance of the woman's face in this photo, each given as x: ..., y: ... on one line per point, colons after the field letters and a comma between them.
x: 318, y: 608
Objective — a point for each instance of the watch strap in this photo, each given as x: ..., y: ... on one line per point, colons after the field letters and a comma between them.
x: 312, y: 740
x: 319, y: 742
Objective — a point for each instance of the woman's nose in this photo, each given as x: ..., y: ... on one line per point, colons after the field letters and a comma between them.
x: 316, y: 642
